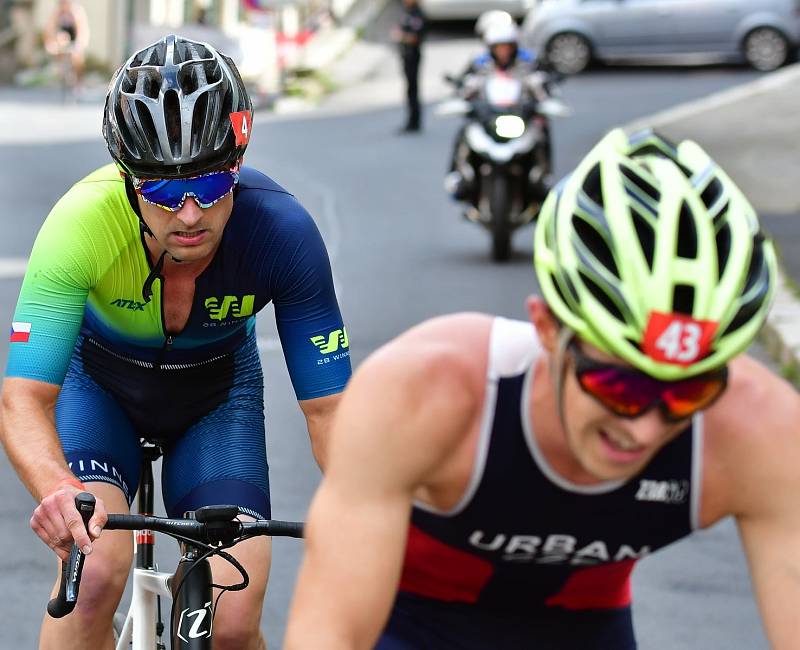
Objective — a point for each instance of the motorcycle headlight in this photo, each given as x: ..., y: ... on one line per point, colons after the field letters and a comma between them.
x: 509, y: 126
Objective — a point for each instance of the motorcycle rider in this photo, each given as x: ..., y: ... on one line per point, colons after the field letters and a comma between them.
x: 486, y: 21
x: 503, y: 56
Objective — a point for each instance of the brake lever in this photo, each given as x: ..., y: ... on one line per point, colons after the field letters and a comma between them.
x: 71, y: 570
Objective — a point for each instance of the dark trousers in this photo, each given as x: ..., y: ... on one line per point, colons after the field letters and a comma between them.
x: 411, y: 59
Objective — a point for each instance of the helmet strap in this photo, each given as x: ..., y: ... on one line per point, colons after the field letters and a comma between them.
x: 130, y: 192
x: 155, y: 272
x: 558, y: 373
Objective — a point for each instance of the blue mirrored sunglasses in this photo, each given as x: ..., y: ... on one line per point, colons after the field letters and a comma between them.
x: 170, y: 193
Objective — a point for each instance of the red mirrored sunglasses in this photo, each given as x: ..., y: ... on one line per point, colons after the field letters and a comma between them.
x: 629, y: 393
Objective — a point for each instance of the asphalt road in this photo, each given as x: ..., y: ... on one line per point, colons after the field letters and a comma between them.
x: 401, y: 254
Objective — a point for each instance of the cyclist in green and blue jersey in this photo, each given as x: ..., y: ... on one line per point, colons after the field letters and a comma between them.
x: 136, y: 320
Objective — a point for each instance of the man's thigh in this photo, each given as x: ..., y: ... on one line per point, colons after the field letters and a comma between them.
x: 222, y: 458
x: 97, y: 438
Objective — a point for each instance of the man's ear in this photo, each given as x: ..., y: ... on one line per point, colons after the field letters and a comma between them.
x: 546, y: 324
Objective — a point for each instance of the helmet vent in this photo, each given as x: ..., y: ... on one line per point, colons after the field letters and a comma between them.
x: 723, y: 248
x: 683, y: 299
x: 756, y: 287
x: 560, y: 292
x: 646, y: 235
x: 602, y: 297
x: 592, y: 186
x: 185, y: 50
x: 149, y: 84
x: 187, y: 78
x: 640, y: 183
x: 172, y: 115
x: 595, y: 243
x: 224, y: 127
x: 154, y: 55
x: 756, y: 269
x: 712, y: 193
x: 686, y: 171
x: 687, y: 234
x: 200, y: 123
x: 144, y: 136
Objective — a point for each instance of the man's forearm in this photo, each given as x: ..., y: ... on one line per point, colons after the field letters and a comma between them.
x: 30, y: 440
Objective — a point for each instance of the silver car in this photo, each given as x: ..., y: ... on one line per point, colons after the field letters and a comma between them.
x: 570, y: 33
x: 471, y: 9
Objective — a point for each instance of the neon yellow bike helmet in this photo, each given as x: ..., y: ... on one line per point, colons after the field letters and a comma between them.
x: 650, y: 252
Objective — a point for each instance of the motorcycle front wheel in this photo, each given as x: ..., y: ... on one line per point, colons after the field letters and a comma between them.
x: 500, y: 207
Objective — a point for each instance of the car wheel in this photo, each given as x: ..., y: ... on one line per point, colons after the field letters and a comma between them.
x: 766, y: 49
x: 569, y: 53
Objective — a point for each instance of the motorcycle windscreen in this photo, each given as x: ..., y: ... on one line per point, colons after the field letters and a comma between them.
x: 502, y: 90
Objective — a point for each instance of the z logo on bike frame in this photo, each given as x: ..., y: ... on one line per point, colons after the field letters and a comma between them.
x: 195, y: 623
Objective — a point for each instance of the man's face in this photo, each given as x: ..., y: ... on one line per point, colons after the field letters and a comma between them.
x: 606, y: 445
x: 192, y: 233
x: 503, y: 52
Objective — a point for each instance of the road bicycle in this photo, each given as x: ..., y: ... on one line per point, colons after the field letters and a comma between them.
x: 202, y: 533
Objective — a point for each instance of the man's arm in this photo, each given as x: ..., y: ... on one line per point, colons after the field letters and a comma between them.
x: 319, y: 417
x: 401, y: 416
x: 30, y: 440
x: 759, y: 442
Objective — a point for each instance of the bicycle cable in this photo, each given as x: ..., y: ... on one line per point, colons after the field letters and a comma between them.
x: 210, y: 551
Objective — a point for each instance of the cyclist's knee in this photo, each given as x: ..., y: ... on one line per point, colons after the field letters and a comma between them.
x: 238, y: 627
x: 237, y: 637
x: 105, y: 574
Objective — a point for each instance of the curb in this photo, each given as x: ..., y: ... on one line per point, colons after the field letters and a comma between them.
x: 780, y: 334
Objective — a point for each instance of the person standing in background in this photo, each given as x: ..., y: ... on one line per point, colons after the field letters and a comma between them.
x: 67, y: 36
x: 408, y: 34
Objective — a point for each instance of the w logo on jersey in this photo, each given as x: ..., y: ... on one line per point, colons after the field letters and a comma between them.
x: 238, y: 307
x: 336, y: 339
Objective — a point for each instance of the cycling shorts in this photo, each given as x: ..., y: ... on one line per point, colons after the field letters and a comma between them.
x: 208, y: 417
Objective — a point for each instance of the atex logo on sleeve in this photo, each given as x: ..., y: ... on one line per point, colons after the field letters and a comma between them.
x: 237, y: 307
x: 332, y: 342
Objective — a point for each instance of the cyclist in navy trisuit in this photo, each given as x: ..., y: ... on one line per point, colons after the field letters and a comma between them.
x: 523, y: 468
x: 136, y: 319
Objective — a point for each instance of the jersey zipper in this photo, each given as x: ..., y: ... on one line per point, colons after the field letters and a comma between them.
x: 164, y: 350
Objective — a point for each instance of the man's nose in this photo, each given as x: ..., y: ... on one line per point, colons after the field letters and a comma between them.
x: 649, y: 428
x: 190, y: 212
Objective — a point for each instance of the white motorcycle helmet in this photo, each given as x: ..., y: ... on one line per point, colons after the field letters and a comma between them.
x: 489, y: 18
x: 498, y: 33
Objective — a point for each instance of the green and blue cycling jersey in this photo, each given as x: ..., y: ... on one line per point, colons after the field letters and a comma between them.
x: 82, y: 322
x: 89, y: 264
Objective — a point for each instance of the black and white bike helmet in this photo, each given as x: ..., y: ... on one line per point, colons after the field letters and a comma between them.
x: 177, y: 108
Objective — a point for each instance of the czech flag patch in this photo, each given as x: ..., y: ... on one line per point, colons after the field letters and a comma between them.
x: 20, y: 332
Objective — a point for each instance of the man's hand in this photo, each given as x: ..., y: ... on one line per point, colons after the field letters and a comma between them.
x: 58, y: 523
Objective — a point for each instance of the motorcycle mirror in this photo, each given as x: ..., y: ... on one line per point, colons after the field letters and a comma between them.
x: 554, y: 108
x: 455, y: 106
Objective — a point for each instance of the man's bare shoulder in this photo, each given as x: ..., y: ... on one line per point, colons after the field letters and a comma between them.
x: 445, y: 347
x: 757, y: 404
x: 752, y: 436
x: 421, y: 392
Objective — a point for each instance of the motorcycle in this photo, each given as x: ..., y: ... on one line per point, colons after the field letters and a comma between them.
x: 502, y: 161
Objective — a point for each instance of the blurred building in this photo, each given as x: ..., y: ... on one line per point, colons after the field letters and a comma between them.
x: 261, y: 35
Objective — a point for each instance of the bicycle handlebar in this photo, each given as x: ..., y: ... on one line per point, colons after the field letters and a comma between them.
x: 217, y: 526
x: 210, y: 532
